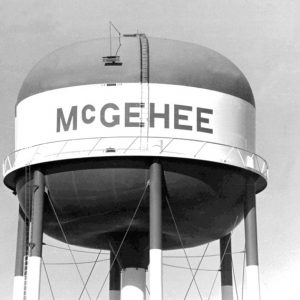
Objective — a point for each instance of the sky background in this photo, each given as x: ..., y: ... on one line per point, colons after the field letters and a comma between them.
x: 260, y: 37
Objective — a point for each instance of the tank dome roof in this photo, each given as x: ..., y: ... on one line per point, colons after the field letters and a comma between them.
x: 171, y: 62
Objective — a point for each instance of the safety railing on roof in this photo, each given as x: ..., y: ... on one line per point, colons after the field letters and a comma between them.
x: 130, y: 146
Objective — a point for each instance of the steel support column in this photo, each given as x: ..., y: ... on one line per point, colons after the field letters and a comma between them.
x: 114, y: 278
x: 133, y: 284
x: 226, y: 267
x: 252, y: 272
x: 18, y: 292
x: 35, y: 259
x: 155, y: 265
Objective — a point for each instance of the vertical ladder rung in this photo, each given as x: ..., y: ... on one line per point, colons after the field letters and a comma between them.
x: 144, y: 78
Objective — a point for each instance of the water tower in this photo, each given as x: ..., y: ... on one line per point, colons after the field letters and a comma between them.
x: 125, y: 143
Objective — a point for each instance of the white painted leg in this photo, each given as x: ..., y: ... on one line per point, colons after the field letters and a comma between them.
x: 155, y: 274
x: 33, y: 278
x: 227, y: 292
x: 252, y: 283
x: 18, y: 292
x: 114, y: 295
x: 133, y: 284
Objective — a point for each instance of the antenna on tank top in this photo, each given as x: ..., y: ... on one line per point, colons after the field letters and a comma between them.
x: 113, y: 60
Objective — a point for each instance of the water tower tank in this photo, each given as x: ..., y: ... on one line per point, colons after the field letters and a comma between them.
x: 94, y: 122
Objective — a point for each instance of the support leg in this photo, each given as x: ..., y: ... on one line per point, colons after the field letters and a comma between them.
x: 35, y: 259
x: 133, y: 259
x: 155, y: 266
x: 226, y: 267
x: 133, y: 284
x: 114, y: 278
x: 252, y: 273
x: 18, y: 292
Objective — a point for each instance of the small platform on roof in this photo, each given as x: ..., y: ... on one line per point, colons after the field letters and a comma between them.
x: 113, y: 60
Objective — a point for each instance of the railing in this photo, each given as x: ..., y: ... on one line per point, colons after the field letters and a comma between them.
x: 129, y: 145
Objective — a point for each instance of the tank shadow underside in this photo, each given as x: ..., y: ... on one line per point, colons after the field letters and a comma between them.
x: 95, y: 200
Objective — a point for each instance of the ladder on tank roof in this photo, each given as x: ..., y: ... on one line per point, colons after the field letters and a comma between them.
x: 144, y: 79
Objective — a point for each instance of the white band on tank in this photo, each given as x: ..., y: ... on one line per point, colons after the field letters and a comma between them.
x: 99, y: 110
x: 100, y: 121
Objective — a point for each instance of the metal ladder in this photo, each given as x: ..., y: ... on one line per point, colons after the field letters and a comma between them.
x: 27, y: 206
x: 144, y: 104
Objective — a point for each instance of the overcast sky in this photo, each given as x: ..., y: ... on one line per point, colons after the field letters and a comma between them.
x: 261, y: 37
